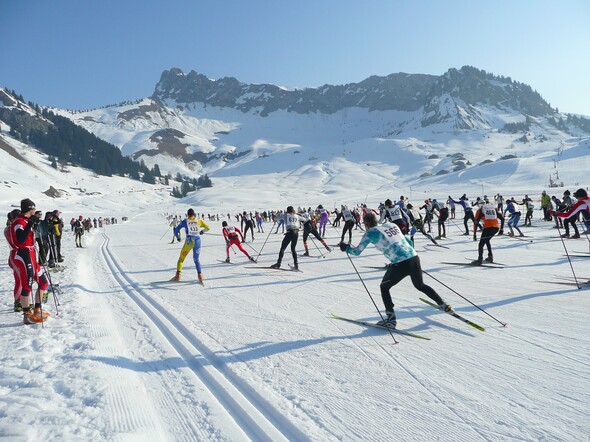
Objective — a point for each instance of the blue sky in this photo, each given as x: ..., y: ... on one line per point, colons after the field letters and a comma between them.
x: 80, y: 54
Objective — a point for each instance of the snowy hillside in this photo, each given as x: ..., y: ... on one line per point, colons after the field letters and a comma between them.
x: 467, y: 129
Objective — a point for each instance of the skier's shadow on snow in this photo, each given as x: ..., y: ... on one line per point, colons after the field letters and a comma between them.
x: 142, y: 366
x: 86, y: 289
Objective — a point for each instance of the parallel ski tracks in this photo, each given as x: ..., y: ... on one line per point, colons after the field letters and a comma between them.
x: 258, y: 419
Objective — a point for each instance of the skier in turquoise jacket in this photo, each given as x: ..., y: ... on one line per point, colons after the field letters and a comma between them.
x: 396, y: 247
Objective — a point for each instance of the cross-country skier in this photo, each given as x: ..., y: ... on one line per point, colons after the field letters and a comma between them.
x: 193, y: 228
x: 348, y: 223
x: 428, y: 209
x: 582, y: 205
x: 514, y: 217
x: 249, y: 225
x: 389, y: 239
x: 309, y: 227
x: 232, y: 237
x: 396, y: 215
x: 78, y: 231
x: 439, y: 208
x: 324, y: 218
x: 417, y: 224
x: 291, y: 220
x: 490, y: 216
x: 464, y: 202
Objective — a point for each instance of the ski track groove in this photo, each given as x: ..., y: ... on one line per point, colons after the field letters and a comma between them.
x: 252, y: 413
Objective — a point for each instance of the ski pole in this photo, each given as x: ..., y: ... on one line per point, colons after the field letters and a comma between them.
x: 165, y: 232
x: 458, y: 294
x: 568, y: 256
x: 456, y: 225
x: 54, y: 289
x: 316, y: 246
x: 268, y: 236
x: 255, y: 251
x: 46, y: 272
x: 369, y: 293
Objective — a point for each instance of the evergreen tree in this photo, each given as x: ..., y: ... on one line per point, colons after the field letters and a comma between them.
x: 149, y: 178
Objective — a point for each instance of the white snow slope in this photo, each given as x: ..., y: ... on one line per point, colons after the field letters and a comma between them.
x: 255, y: 355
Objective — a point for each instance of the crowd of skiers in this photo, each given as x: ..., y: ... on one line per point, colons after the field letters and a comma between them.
x: 35, y: 240
x: 391, y: 229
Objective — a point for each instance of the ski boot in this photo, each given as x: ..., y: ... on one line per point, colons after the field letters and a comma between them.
x: 201, y: 279
x: 227, y: 259
x: 276, y: 265
x: 445, y: 307
x: 176, y: 277
x: 389, y: 321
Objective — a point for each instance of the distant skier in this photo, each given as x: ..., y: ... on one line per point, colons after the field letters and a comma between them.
x: 193, y: 228
x: 442, y: 211
x: 309, y: 227
x: 464, y: 202
x: 490, y: 215
x: 324, y: 219
x: 349, y: 222
x: 396, y: 247
x: 514, y: 217
x: 291, y: 220
x: 249, y: 225
x: 581, y: 206
x: 78, y: 231
x: 417, y: 224
x: 232, y: 237
x: 395, y: 214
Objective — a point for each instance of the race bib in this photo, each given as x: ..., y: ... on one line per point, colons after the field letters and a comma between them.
x: 193, y: 227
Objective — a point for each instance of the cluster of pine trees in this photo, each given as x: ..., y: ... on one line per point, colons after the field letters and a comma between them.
x: 187, y: 185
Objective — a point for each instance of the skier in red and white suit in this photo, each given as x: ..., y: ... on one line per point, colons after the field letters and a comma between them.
x: 232, y: 236
x: 27, y: 270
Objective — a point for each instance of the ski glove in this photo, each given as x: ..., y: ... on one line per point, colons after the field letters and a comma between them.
x: 202, y: 231
x: 343, y: 246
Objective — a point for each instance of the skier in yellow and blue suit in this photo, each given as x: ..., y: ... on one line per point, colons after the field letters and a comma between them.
x: 193, y: 228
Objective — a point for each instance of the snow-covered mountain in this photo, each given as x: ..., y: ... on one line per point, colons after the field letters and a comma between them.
x: 255, y: 354
x: 466, y: 126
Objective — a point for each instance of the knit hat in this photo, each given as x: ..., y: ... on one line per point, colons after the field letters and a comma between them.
x: 26, y: 205
x: 580, y: 193
x: 190, y: 212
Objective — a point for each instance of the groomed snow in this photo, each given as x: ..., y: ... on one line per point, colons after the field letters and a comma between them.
x: 255, y: 355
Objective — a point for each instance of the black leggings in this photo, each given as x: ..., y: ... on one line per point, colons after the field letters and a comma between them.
x: 396, y: 272
x: 348, y: 225
x: 290, y: 237
x: 486, y: 236
x: 468, y: 216
x: 313, y: 232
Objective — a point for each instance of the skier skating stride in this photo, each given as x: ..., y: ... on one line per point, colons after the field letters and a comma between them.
x: 291, y: 220
x: 193, y: 228
x: 389, y: 239
x: 490, y: 216
x: 232, y: 237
